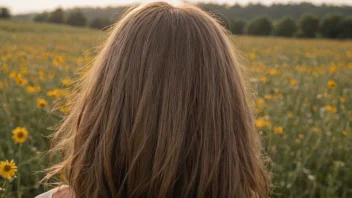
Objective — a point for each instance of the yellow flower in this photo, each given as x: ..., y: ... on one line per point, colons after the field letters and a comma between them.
x: 32, y: 89
x: 66, y: 82
x: 41, y: 103
x: 268, y: 96
x: 273, y: 71
x: 300, y: 136
x: 251, y: 56
x: 19, y: 134
x: 260, y: 102
x: 343, y: 98
x: 263, y: 79
x: 261, y: 122
x: 315, y: 108
x: 293, y: 82
x: 278, y: 130
x: 64, y: 110
x: 345, y: 133
x: 8, y: 169
x: 331, y: 84
x: 57, y: 93
x: 21, y: 81
x: 289, y: 115
x: 298, y: 141
x: 333, y: 69
x: 13, y: 75
x: 331, y: 108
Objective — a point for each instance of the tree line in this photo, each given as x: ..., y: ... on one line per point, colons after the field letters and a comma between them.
x: 246, y: 12
x: 307, y: 25
x: 74, y: 18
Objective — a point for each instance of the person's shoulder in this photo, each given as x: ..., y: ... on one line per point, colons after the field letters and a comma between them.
x: 59, y: 192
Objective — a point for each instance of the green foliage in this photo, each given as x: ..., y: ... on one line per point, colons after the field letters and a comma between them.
x: 57, y: 16
x: 5, y: 13
x: 275, y: 11
x: 346, y: 28
x: 308, y: 26
x: 286, y: 27
x: 221, y: 19
x: 261, y: 26
x: 42, y: 17
x: 100, y: 23
x: 237, y: 11
x: 331, y: 26
x: 237, y: 26
x: 76, y: 18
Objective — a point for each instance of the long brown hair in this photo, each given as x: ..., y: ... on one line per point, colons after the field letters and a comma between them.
x: 164, y: 111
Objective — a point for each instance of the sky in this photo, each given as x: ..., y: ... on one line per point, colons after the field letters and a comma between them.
x: 27, y: 6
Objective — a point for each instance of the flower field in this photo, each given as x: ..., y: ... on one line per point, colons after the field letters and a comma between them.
x: 304, y: 105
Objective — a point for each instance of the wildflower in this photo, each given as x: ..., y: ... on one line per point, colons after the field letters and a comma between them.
x: 32, y: 89
x: 19, y: 134
x: 300, y: 136
x: 21, y: 81
x: 57, y: 93
x: 53, y: 93
x: 260, y: 102
x: 331, y: 108
x: 263, y: 79
x: 298, y: 141
x: 273, y: 71
x: 52, y: 75
x: 268, y: 96
x: 66, y: 82
x: 64, y: 110
x: 345, y: 133
x: 343, y: 98
x: 251, y: 56
x: 41, y: 103
x: 293, y: 82
x: 261, y: 122
x: 315, y: 108
x: 278, y: 130
x: 8, y: 169
x: 315, y: 74
x: 331, y: 84
x: 13, y: 75
x: 289, y: 115
x: 333, y: 69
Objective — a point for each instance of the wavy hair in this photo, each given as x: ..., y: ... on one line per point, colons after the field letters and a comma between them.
x: 164, y: 111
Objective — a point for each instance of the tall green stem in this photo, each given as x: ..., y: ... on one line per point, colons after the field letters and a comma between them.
x: 19, y: 194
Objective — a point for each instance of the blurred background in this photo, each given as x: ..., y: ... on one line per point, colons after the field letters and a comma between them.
x: 315, y: 18
x: 299, y: 55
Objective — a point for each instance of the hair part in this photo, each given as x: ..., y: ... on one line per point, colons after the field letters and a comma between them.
x: 164, y: 111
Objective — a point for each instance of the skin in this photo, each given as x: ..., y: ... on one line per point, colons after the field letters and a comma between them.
x: 63, y: 193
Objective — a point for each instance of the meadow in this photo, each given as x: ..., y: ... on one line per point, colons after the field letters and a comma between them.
x: 304, y: 105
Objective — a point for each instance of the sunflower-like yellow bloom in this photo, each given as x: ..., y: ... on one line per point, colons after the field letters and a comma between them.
x: 8, y: 169
x: 41, y: 103
x: 278, y: 130
x: 331, y: 84
x: 19, y: 134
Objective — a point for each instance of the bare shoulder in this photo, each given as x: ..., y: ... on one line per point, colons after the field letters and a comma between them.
x: 63, y: 192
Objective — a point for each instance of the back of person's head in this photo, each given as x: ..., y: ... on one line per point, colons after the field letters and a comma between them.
x: 164, y: 111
